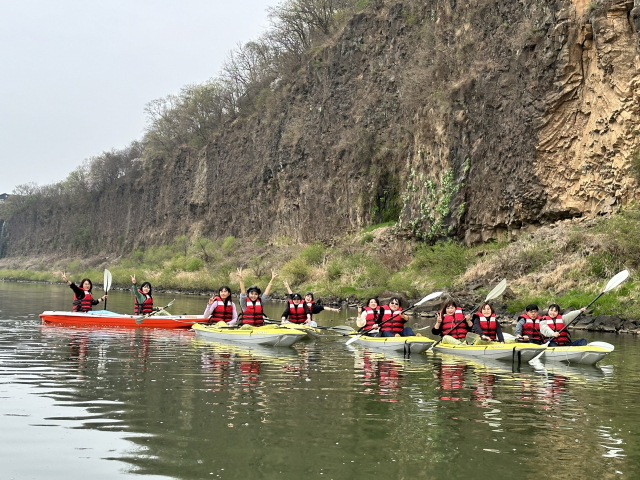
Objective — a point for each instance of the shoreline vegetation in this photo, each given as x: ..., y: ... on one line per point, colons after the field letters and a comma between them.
x: 566, y: 263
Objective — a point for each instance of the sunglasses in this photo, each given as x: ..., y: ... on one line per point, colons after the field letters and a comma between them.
x: 394, y: 303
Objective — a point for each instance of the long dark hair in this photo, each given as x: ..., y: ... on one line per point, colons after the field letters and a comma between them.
x: 373, y: 298
x: 86, y: 280
x: 450, y: 303
x: 228, y: 299
x: 142, y: 286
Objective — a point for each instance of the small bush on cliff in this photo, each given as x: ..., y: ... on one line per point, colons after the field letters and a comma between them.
x: 229, y: 245
x: 313, y: 254
x: 296, y: 271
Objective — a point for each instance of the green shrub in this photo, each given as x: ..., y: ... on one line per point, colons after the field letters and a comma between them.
x: 179, y: 262
x: 193, y: 265
x: 367, y: 238
x: 442, y: 262
x: 313, y: 254
x: 229, y: 245
x: 334, y: 269
x: 296, y: 270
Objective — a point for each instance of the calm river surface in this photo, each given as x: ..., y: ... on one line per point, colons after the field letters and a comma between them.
x: 114, y: 403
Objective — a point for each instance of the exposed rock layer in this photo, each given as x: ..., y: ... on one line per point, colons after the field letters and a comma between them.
x: 531, y: 106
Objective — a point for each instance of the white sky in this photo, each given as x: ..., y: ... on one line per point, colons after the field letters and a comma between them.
x: 75, y: 75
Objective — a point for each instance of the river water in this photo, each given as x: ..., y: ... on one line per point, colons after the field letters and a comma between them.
x: 114, y: 403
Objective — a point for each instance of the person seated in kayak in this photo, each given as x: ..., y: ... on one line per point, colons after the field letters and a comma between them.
x: 309, y: 301
x: 528, y: 326
x: 392, y: 320
x: 368, y: 317
x: 297, y: 311
x: 551, y: 325
x: 486, y: 325
x: 251, y: 301
x: 220, y: 307
x: 451, y: 324
x: 143, y: 304
x: 82, y: 299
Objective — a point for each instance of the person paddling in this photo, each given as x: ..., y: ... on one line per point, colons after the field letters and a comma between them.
x: 392, y: 320
x: 551, y: 324
x: 251, y: 301
x: 143, y: 303
x: 451, y: 324
x: 82, y: 299
x: 297, y: 311
x: 369, y: 316
x: 309, y: 301
x: 528, y: 326
x: 220, y: 307
x: 486, y: 325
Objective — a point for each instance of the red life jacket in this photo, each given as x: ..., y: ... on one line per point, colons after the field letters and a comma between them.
x: 297, y: 313
x: 310, y: 307
x: 371, y: 317
x: 394, y: 326
x: 252, y: 315
x: 222, y: 313
x: 531, y: 328
x: 556, y: 326
x: 450, y: 321
x: 146, y: 306
x: 83, y: 305
x: 489, y: 327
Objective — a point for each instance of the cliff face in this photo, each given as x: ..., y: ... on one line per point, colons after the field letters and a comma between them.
x: 471, y: 119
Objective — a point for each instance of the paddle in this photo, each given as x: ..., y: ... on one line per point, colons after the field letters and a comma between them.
x: 495, y: 293
x: 139, y: 320
x: 431, y: 296
x: 571, y: 317
x: 107, y: 285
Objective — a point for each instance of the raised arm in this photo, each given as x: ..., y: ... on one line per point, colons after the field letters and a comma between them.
x: 239, y: 274
x: 286, y: 284
x: 273, y: 276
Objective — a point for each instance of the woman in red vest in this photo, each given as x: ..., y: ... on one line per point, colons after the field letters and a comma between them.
x: 143, y: 303
x: 309, y: 300
x: 221, y: 308
x: 392, y: 320
x: 552, y: 324
x: 297, y: 311
x: 486, y: 325
x: 369, y: 316
x: 251, y: 301
x: 82, y: 299
x: 451, y: 324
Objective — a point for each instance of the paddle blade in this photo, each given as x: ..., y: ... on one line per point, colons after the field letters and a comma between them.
x: 351, y: 340
x: 431, y: 296
x: 107, y: 280
x: 617, y: 280
x: 497, y: 291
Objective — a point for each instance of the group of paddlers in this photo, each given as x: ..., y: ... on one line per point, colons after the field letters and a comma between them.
x: 373, y: 319
x: 220, y: 307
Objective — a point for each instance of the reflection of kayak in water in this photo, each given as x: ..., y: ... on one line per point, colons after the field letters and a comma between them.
x: 591, y: 373
x: 111, y: 319
x: 257, y: 352
x: 271, y: 335
x: 497, y: 351
x: 403, y: 345
x: 483, y: 363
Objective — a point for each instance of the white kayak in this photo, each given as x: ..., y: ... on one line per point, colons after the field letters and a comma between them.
x: 405, y: 345
x: 497, y: 351
x: 271, y: 335
x: 589, y: 354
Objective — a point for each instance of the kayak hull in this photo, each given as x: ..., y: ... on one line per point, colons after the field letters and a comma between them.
x: 404, y: 345
x: 117, y: 320
x: 270, y: 335
x: 492, y: 352
x: 585, y: 355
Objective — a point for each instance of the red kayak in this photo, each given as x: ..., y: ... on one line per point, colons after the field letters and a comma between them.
x: 106, y: 318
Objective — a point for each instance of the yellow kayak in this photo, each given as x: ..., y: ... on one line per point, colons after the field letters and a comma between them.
x: 272, y: 335
x: 497, y: 351
x: 404, y: 345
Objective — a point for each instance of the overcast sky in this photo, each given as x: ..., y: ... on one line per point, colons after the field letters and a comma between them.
x: 75, y: 75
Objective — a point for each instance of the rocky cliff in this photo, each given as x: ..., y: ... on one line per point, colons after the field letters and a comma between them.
x: 471, y: 119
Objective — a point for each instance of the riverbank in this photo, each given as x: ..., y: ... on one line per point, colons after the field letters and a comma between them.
x: 567, y: 263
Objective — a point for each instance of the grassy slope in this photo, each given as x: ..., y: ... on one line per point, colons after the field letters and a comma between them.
x: 567, y: 263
